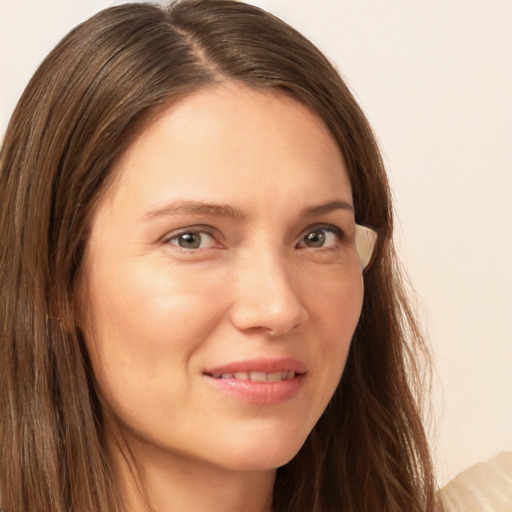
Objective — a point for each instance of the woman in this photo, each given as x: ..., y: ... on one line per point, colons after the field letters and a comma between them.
x: 184, y: 191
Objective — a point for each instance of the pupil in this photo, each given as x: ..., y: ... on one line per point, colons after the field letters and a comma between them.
x: 315, y: 239
x: 190, y: 240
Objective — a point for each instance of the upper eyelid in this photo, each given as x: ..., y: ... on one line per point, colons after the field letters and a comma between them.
x: 208, y: 230
x: 319, y: 227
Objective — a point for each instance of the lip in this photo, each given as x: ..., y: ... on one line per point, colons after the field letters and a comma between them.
x: 266, y: 365
x: 259, y: 393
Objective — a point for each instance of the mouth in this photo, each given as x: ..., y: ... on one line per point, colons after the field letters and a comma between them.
x: 256, y: 376
x: 261, y: 381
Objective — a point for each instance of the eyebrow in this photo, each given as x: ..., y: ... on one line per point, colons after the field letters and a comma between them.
x: 197, y: 208
x: 313, y: 211
x: 225, y: 210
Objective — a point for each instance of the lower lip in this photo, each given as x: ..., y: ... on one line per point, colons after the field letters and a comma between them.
x: 259, y: 393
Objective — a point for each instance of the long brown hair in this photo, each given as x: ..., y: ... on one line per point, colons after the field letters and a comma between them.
x: 78, y: 114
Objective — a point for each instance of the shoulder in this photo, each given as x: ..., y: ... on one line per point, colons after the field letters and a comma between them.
x: 484, y: 487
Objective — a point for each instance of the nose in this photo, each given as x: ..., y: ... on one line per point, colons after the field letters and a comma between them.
x: 267, y: 296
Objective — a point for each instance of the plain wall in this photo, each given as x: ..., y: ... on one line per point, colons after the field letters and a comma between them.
x: 435, y: 79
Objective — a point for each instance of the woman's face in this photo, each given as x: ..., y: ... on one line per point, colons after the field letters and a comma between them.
x: 223, y: 280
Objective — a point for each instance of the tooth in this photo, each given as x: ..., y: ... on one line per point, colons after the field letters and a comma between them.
x: 258, y: 376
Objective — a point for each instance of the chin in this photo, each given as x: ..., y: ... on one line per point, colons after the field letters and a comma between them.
x: 266, y: 452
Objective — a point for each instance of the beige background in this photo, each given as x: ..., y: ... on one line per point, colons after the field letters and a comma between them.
x: 435, y: 79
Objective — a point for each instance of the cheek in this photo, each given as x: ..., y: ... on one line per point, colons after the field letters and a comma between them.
x: 145, y: 327
x: 140, y: 309
x: 337, y: 310
x: 338, y: 306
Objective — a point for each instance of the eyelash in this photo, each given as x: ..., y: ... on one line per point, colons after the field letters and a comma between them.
x: 325, y: 229
x: 314, y: 230
x: 176, y: 236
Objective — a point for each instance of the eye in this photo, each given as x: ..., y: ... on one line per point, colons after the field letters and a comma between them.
x: 190, y: 240
x: 320, y: 238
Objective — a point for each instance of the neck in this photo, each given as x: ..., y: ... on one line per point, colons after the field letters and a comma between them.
x: 155, y: 480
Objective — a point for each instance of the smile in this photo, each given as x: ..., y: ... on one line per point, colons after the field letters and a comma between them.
x: 259, y: 381
x: 257, y: 376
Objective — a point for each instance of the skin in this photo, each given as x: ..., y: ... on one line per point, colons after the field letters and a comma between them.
x: 253, y: 287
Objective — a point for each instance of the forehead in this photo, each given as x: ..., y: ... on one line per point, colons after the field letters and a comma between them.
x: 229, y: 141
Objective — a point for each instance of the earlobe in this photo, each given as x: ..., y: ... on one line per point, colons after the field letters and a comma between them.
x: 365, y: 239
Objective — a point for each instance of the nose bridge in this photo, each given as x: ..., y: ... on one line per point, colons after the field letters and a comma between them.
x: 267, y: 292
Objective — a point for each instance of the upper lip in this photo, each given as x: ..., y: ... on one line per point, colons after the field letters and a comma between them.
x: 265, y: 365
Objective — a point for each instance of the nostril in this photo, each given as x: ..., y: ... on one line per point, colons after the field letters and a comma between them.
x: 264, y: 319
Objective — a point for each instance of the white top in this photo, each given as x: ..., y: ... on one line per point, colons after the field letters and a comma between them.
x: 484, y: 487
